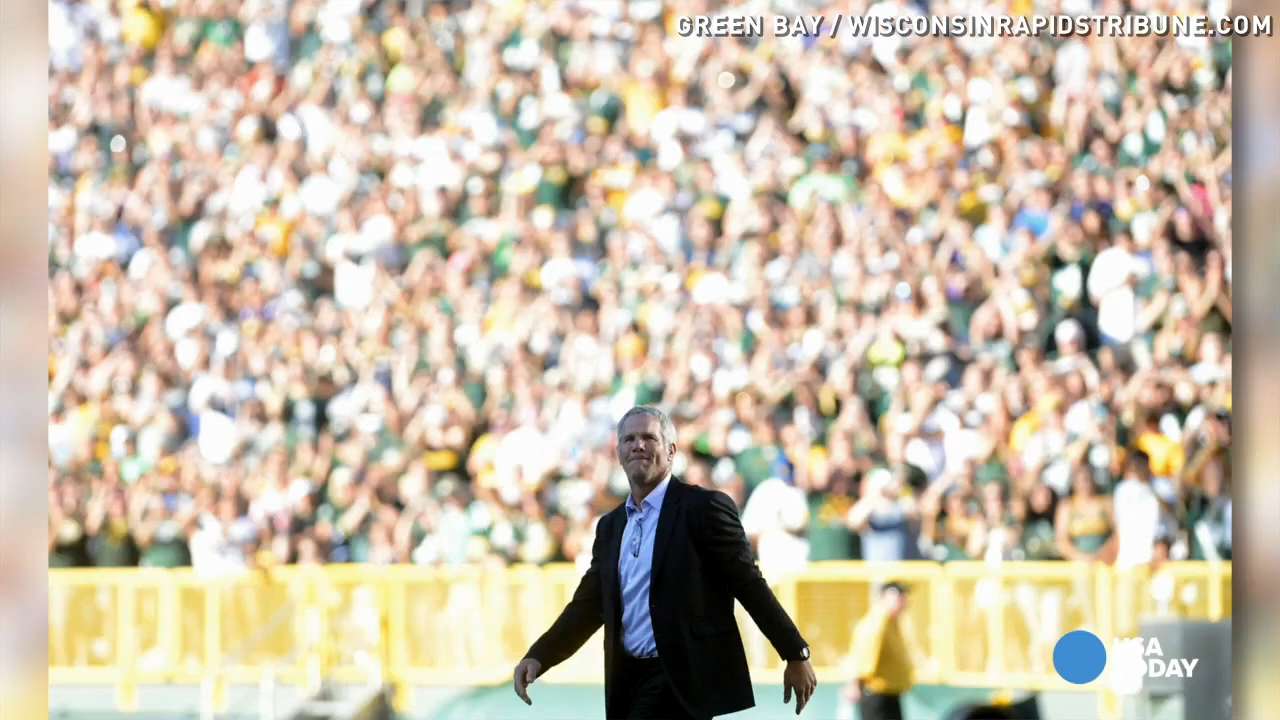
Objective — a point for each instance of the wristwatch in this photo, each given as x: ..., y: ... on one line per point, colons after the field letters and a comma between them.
x: 804, y: 653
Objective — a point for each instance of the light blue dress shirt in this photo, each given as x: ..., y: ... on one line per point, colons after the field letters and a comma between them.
x: 635, y: 563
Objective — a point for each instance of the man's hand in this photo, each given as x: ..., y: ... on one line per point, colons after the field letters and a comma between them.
x: 798, y: 676
x: 526, y: 672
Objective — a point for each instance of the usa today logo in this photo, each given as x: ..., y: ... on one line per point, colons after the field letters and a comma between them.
x: 1080, y: 657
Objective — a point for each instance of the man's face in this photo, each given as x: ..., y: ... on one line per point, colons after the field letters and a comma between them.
x: 641, y: 450
x: 895, y: 602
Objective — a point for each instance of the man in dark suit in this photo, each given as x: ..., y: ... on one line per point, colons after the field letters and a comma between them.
x: 666, y: 567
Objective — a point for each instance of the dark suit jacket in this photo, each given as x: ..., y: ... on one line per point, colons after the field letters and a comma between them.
x: 702, y: 562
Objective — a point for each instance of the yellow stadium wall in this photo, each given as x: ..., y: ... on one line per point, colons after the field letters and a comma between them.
x: 982, y: 625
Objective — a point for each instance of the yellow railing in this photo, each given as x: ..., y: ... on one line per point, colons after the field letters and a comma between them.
x: 981, y: 625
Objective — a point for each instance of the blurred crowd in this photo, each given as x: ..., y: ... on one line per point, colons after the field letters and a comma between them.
x: 371, y: 281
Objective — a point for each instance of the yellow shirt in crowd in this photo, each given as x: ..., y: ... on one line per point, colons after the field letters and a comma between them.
x: 1167, y: 456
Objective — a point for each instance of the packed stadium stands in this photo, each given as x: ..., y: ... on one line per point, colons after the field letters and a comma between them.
x: 366, y: 281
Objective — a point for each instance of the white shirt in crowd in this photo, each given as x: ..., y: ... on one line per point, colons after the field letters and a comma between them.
x: 219, y: 549
x: 1108, y: 287
x: 1137, y: 518
x: 776, y: 513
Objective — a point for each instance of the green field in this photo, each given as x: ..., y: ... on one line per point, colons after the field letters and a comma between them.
x: 586, y: 702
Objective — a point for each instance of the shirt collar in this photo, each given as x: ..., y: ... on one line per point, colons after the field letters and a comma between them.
x: 653, y: 499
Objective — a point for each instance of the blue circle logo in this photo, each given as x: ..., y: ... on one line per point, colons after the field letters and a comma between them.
x: 1079, y: 657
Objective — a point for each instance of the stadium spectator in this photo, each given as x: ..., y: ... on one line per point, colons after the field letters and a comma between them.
x: 1037, y: 516
x: 774, y: 517
x: 1209, y: 514
x: 998, y: 531
x: 886, y: 519
x: 1137, y: 514
x: 886, y: 657
x: 950, y: 525
x: 1087, y: 523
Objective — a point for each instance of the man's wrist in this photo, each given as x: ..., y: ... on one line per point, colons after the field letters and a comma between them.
x: 801, y: 655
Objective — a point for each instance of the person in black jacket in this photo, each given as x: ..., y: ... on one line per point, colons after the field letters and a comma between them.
x: 666, y: 566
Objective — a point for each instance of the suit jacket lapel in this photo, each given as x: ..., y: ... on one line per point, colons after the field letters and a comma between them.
x: 666, y: 522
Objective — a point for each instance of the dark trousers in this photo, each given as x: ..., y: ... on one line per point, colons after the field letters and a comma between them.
x: 648, y: 693
x: 874, y: 706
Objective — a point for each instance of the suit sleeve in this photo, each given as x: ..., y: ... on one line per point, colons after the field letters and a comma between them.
x: 726, y: 548
x: 580, y: 619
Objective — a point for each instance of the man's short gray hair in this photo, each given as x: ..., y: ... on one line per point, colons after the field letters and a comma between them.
x: 668, y: 428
